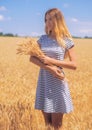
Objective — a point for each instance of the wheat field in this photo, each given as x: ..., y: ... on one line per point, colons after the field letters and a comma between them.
x: 18, y: 79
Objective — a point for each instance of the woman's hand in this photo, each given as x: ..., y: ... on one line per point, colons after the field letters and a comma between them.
x: 45, y: 59
x: 57, y: 72
x: 54, y: 70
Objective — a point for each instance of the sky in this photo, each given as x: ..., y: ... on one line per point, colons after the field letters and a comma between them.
x: 26, y: 17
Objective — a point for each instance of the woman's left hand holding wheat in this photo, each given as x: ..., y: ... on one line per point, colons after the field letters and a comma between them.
x: 46, y: 60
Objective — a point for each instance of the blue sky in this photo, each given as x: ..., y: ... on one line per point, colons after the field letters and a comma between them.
x: 26, y: 17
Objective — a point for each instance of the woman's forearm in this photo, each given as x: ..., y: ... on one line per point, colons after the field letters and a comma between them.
x: 51, y: 68
x: 37, y: 62
x: 70, y: 64
x: 65, y: 64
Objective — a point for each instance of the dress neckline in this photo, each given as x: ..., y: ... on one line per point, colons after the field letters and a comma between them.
x: 51, y: 38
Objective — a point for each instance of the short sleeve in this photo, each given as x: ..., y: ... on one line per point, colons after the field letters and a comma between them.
x: 69, y: 43
x: 40, y: 40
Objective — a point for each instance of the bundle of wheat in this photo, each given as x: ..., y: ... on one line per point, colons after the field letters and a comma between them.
x: 29, y: 47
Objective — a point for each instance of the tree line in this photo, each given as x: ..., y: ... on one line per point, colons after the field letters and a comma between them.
x: 16, y: 35
x: 8, y: 34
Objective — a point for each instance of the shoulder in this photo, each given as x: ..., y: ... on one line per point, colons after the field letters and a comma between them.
x: 41, y: 39
x: 69, y: 42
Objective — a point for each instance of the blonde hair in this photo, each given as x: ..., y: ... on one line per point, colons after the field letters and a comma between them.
x: 60, y: 29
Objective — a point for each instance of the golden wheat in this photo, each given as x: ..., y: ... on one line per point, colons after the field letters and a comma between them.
x: 30, y: 47
x: 18, y: 79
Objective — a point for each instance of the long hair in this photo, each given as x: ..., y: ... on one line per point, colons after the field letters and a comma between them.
x: 60, y: 29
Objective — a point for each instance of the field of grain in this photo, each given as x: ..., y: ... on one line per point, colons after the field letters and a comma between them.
x: 18, y: 78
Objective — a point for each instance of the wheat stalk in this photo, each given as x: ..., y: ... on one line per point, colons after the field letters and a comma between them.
x: 30, y: 47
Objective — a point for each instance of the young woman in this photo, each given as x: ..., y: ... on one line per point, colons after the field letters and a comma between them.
x: 53, y: 95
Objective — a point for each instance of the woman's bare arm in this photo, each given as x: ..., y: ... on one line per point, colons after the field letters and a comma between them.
x: 53, y: 69
x: 37, y: 62
x: 71, y: 64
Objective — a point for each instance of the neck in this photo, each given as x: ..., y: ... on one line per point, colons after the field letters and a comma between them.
x: 52, y: 36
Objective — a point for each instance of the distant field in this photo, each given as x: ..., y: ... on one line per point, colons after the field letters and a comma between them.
x: 18, y: 78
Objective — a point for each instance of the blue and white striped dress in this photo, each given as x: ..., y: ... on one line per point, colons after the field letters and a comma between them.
x: 53, y: 95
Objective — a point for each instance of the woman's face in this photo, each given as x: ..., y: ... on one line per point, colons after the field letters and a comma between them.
x: 49, y: 22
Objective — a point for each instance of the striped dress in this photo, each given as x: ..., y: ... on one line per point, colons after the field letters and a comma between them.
x: 52, y: 94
